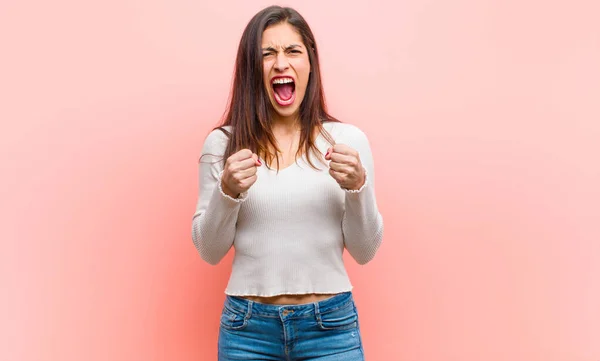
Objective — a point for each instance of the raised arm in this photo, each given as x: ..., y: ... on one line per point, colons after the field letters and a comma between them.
x: 213, y: 224
x: 362, y: 224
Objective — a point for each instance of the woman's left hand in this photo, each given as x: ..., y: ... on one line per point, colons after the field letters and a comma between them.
x: 345, y: 167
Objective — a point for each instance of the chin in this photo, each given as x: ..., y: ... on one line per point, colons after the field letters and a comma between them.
x: 286, y: 113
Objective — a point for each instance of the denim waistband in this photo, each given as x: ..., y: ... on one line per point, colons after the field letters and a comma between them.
x: 333, y: 303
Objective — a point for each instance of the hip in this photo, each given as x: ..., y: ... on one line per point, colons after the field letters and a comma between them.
x: 303, y: 331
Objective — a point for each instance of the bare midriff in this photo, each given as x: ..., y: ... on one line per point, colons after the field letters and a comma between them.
x: 290, y: 299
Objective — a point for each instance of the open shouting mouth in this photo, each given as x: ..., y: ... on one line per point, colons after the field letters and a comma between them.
x: 284, y: 90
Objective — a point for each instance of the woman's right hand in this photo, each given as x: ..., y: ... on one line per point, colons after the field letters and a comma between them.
x: 239, y: 173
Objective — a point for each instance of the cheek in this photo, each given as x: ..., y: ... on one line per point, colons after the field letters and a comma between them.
x: 266, y: 77
x: 266, y: 67
x: 303, y: 71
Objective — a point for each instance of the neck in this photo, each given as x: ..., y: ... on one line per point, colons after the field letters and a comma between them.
x: 286, y: 125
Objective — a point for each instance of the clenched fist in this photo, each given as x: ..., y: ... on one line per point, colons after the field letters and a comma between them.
x: 239, y: 173
x: 345, y: 167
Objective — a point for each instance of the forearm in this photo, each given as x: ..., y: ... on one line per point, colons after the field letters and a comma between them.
x: 362, y: 224
x: 213, y: 230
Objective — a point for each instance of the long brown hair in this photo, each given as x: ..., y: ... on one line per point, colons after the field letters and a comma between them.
x: 249, y: 110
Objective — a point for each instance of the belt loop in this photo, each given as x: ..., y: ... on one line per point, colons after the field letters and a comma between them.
x: 249, y: 311
x: 317, y: 311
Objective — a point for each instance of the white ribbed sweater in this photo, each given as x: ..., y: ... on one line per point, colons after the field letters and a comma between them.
x: 290, y: 229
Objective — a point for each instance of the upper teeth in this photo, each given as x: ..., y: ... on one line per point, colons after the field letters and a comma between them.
x: 282, y: 81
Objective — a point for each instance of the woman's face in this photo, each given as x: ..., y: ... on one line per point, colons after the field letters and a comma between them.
x: 286, y: 68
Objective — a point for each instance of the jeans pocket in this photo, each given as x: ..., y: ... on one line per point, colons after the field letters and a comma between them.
x: 233, y: 319
x: 343, y: 318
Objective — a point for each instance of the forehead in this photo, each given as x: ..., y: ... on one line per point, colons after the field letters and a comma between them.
x: 281, y: 35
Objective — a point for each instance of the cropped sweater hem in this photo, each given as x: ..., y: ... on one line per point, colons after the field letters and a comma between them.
x: 286, y: 292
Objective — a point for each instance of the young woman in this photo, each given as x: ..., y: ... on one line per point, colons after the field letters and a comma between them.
x: 289, y: 187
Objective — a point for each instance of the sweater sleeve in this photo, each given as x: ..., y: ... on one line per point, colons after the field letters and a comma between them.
x: 362, y: 224
x: 213, y: 223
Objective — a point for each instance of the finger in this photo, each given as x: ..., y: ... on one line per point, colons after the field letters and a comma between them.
x: 257, y: 161
x: 241, y: 155
x: 246, y: 173
x: 340, y: 167
x: 240, y: 179
x: 344, y: 159
x: 243, y: 165
x: 328, y: 154
x: 248, y: 182
x: 344, y: 149
x: 338, y: 176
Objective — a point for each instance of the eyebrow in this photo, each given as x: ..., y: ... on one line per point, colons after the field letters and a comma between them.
x: 289, y: 47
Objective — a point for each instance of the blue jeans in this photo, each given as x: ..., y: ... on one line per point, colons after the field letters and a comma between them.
x: 322, y: 331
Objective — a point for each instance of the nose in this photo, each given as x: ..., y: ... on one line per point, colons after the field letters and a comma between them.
x: 281, y: 62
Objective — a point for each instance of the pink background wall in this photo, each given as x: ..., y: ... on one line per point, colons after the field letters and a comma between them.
x: 484, y: 117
